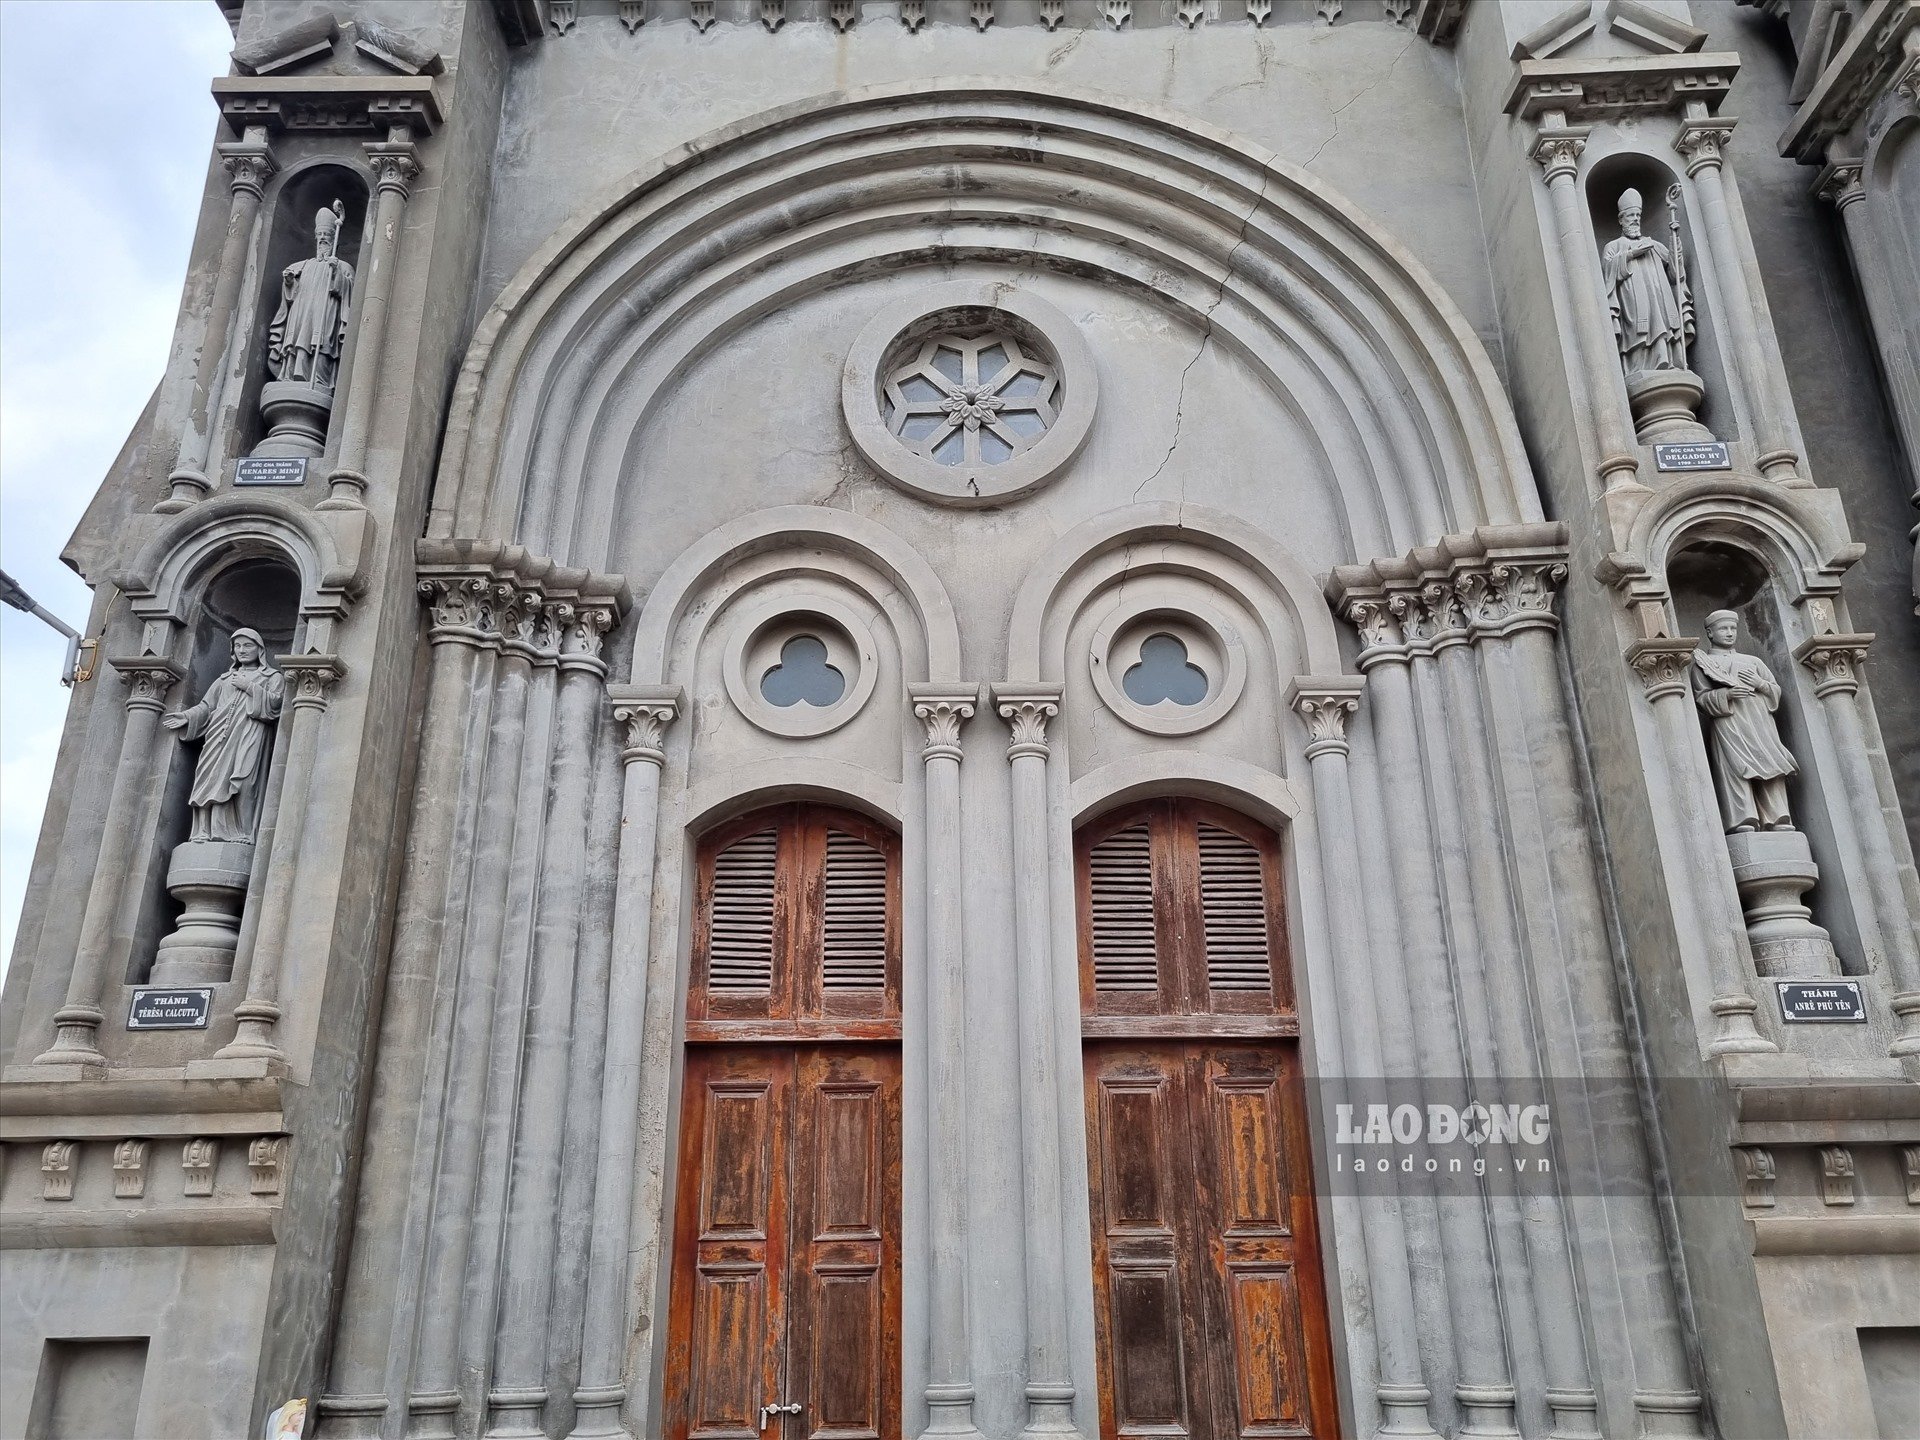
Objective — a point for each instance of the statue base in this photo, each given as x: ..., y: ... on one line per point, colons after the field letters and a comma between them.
x: 1666, y: 406
x: 296, y: 414
x: 209, y: 878
x: 1772, y: 869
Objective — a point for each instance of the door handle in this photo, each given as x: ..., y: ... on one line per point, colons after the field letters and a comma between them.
x: 792, y: 1408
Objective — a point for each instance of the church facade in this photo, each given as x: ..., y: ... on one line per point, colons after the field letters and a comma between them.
x: 870, y: 718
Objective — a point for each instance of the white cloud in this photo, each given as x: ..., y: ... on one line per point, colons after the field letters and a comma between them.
x: 105, y: 129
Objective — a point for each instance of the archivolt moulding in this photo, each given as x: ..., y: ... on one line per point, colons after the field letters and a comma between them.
x: 1144, y: 526
x: 795, y: 527
x: 1251, y: 789
x: 1344, y: 328
x: 327, y: 549
x: 800, y: 776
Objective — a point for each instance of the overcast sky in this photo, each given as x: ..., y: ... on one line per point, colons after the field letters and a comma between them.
x: 105, y: 126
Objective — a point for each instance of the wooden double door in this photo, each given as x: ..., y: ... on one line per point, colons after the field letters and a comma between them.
x: 1210, y: 1305
x: 786, y: 1243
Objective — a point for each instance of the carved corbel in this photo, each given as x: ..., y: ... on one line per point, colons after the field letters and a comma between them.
x: 1910, y: 1171
x: 1757, y: 1177
x: 56, y: 1169
x: 633, y: 14
x: 198, y: 1159
x: 266, y: 1164
x: 130, y: 1169
x: 1836, y: 1175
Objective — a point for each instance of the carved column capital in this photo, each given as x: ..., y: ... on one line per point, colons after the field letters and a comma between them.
x: 1835, y: 662
x: 1662, y: 665
x: 1324, y: 704
x: 311, y: 678
x: 1557, y: 150
x: 942, y: 710
x: 396, y: 164
x: 1703, y: 142
x: 1382, y: 635
x: 644, y: 712
x: 581, y: 627
x: 1027, y: 709
x: 467, y: 608
x: 1840, y: 184
x: 148, y: 678
x: 249, y: 163
x: 1505, y: 595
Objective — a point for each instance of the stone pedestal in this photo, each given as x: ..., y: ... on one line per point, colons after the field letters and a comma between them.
x: 209, y: 878
x: 296, y: 414
x: 1666, y: 406
x: 1772, y: 869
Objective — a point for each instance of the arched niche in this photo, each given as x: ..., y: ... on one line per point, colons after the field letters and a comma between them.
x: 256, y: 588
x: 1608, y: 179
x: 1714, y: 567
x: 286, y: 236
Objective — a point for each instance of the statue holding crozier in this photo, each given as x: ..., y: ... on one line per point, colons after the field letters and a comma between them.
x: 1651, y: 307
x: 305, y: 340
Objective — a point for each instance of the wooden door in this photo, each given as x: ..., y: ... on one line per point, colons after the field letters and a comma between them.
x: 1210, y: 1302
x: 786, y: 1260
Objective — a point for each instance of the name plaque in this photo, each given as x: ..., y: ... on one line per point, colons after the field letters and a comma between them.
x: 1692, y: 455
x: 1822, y: 1002
x: 182, y: 1009
x: 271, y: 470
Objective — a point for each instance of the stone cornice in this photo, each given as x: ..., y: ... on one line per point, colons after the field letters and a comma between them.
x: 330, y: 104
x: 1880, y: 56
x: 1495, y: 581
x: 523, y: 21
x: 1622, y: 87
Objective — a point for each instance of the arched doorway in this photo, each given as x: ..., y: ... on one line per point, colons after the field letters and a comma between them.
x: 1210, y: 1306
x: 786, y: 1244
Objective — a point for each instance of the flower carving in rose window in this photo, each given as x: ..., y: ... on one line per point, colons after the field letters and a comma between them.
x: 971, y: 399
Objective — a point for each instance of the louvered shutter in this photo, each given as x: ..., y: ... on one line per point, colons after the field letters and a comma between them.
x: 854, y: 916
x: 1120, y: 882
x: 740, y: 925
x: 1233, y: 907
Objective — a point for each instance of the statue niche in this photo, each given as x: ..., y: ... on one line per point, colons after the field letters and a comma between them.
x: 1772, y: 862
x: 304, y: 344
x: 1651, y: 306
x: 234, y: 723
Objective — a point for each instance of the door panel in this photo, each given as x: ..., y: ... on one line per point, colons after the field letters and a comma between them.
x: 786, y: 1279
x: 1209, y: 1303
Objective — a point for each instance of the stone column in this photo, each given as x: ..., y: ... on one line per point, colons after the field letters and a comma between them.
x: 1557, y: 152
x: 312, y: 680
x: 77, y: 1023
x: 1888, y: 314
x: 1324, y: 704
x: 644, y: 713
x: 1701, y: 141
x: 249, y: 165
x: 942, y: 710
x: 380, y: 1299
x: 1050, y: 1389
x: 396, y: 164
x: 1834, y: 661
x: 517, y: 1398
x: 1662, y: 665
x: 1484, y: 1388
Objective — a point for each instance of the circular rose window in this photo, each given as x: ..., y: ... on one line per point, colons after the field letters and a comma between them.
x: 969, y: 393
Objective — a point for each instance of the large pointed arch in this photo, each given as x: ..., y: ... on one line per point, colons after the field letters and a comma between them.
x: 1345, y: 327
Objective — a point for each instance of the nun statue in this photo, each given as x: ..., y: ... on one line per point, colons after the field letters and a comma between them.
x: 234, y: 721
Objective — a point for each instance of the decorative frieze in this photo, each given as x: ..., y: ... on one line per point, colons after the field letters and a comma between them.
x: 1586, y: 89
x: 199, y: 1158
x: 130, y: 1169
x: 1434, y: 20
x: 56, y: 1169
x: 329, y: 104
x: 1492, y: 583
